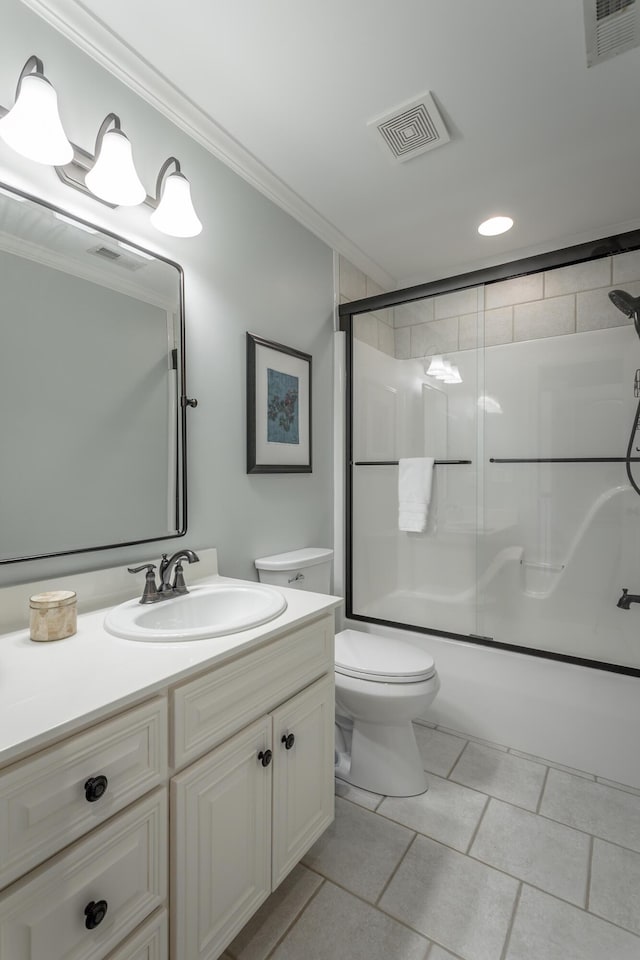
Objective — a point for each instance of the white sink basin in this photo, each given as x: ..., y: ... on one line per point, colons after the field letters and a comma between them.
x: 210, y: 610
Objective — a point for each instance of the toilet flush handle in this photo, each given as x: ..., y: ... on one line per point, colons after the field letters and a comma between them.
x: 298, y: 576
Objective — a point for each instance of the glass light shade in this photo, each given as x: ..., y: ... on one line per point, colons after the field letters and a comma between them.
x: 437, y: 368
x: 453, y: 374
x: 113, y: 177
x: 33, y: 127
x: 175, y: 214
x: 494, y: 226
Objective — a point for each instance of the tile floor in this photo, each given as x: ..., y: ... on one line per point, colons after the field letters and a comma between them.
x: 506, y: 857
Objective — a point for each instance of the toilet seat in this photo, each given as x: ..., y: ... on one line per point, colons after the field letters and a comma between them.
x: 370, y: 657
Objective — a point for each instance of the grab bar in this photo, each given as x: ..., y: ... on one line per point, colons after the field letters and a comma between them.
x: 394, y: 463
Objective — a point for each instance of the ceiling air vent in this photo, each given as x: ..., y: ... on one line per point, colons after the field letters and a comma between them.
x: 412, y: 128
x: 611, y: 27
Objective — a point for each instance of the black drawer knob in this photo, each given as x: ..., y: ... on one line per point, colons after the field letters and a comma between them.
x: 94, y: 913
x: 95, y: 787
x: 265, y: 757
x: 288, y: 740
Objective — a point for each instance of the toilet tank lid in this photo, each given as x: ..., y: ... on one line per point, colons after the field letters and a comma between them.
x: 295, y: 559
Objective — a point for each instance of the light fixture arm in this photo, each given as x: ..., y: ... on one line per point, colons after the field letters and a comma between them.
x: 162, y: 173
x: 34, y: 65
x: 111, y: 118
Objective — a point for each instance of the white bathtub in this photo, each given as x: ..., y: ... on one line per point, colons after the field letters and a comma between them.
x: 582, y: 717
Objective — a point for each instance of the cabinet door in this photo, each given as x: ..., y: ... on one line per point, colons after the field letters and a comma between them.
x: 303, y: 788
x: 221, y: 839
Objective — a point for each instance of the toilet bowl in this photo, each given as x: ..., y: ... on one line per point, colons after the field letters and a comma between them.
x: 382, y: 686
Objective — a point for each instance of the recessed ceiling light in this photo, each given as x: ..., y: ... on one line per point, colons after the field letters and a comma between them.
x: 495, y: 225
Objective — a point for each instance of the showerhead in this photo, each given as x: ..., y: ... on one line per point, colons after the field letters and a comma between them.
x: 629, y: 305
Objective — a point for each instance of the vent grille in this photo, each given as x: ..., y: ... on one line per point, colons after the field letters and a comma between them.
x: 412, y: 129
x: 611, y: 27
x: 119, y: 259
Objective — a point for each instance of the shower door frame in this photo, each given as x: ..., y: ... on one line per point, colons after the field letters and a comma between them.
x: 595, y: 250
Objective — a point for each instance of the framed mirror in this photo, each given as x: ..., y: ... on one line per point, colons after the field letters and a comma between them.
x: 92, y: 387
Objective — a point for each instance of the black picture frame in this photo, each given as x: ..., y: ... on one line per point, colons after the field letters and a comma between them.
x: 279, y: 438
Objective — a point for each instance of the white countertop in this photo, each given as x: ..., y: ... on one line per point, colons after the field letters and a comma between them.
x: 47, y: 690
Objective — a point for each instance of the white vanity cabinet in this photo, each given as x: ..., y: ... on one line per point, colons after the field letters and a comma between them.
x: 157, y: 832
x: 245, y: 814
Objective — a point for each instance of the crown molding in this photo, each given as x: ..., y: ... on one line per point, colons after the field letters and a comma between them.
x: 93, y: 37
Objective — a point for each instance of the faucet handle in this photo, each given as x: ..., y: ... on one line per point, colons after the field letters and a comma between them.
x: 150, y: 592
x: 179, y: 585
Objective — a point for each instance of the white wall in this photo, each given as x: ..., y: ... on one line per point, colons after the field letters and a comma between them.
x: 252, y: 269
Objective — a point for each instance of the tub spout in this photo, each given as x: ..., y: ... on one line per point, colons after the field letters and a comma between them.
x: 627, y: 599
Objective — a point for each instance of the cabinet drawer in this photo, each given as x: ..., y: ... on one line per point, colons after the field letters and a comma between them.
x: 149, y: 942
x: 44, y: 802
x: 213, y: 707
x: 122, y: 865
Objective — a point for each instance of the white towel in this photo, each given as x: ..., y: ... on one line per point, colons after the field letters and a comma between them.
x: 414, y: 492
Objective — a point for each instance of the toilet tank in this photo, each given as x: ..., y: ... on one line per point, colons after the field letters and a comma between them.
x: 306, y: 569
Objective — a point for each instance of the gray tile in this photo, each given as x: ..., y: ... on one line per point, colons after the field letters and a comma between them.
x: 615, y: 885
x: 552, y: 763
x: 619, y: 786
x: 338, y: 926
x: 439, y: 336
x: 593, y: 807
x: 353, y: 283
x: 469, y: 736
x: 360, y: 850
x: 456, y: 303
x: 500, y: 774
x: 498, y: 328
x: 402, y: 341
x: 518, y: 290
x: 386, y: 340
x: 439, y: 751
x: 446, y: 812
x: 595, y: 311
x: 362, y: 797
x: 544, y: 318
x: 626, y: 267
x: 437, y: 953
x: 579, y: 276
x: 548, y: 929
x: 541, y: 852
x: 458, y: 902
x: 258, y: 938
x: 365, y: 328
x: 409, y: 314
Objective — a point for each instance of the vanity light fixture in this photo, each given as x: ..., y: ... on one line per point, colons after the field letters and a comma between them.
x: 32, y: 127
x: 175, y: 213
x: 495, y: 226
x: 443, y: 370
x: 113, y: 177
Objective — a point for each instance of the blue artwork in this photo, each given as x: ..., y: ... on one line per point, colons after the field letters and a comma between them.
x: 282, y: 407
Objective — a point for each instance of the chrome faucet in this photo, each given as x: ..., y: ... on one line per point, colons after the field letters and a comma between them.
x: 627, y: 599
x: 171, y: 565
x: 168, y: 565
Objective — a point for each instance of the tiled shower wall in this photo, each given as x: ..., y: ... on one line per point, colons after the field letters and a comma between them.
x: 376, y: 329
x: 548, y: 304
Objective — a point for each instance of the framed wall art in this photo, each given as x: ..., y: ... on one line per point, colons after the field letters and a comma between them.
x: 278, y: 408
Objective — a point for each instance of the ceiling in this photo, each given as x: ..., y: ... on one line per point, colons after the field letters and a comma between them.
x: 290, y: 85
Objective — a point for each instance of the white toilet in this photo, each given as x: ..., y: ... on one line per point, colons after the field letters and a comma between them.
x: 382, y: 685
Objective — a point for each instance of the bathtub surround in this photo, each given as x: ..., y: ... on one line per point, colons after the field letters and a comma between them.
x: 253, y: 268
